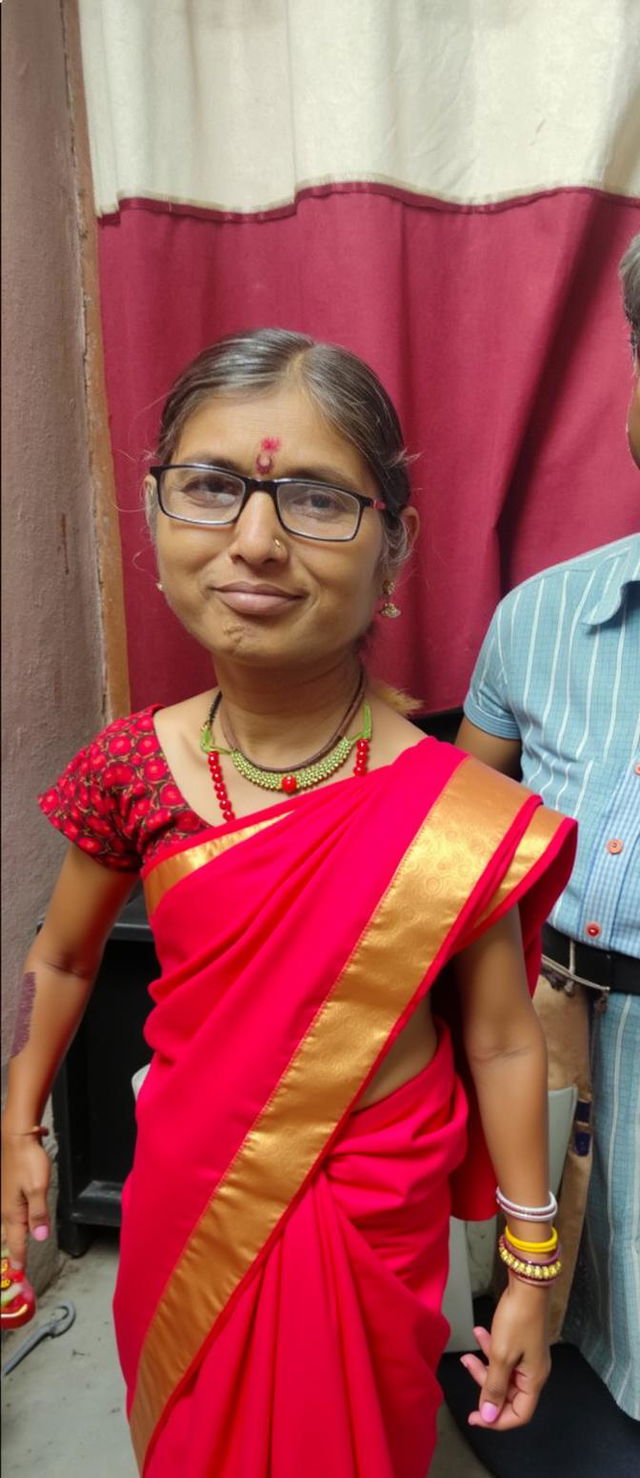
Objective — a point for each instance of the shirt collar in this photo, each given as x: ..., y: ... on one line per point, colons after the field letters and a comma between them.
x: 620, y: 569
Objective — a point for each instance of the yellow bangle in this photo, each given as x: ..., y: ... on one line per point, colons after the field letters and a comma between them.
x: 522, y: 1246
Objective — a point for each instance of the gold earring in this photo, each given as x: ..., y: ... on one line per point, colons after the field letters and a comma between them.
x: 389, y: 607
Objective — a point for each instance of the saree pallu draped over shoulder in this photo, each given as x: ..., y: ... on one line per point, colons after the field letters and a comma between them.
x: 284, y: 1253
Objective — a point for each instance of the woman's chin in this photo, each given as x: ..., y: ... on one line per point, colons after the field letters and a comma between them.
x: 252, y: 644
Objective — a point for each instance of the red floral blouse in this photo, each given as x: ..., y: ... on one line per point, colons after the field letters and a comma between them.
x: 117, y: 798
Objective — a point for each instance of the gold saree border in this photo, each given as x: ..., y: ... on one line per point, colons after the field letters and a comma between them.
x: 543, y: 827
x: 405, y: 934
x: 171, y: 870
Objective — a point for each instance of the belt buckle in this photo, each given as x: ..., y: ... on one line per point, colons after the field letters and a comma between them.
x: 564, y: 977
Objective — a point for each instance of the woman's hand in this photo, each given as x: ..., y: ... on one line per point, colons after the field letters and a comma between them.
x: 26, y: 1171
x: 517, y: 1352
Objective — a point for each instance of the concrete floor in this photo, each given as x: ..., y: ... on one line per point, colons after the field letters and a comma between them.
x: 63, y: 1406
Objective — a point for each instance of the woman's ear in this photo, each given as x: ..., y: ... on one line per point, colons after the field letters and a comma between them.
x: 150, y: 503
x: 411, y: 521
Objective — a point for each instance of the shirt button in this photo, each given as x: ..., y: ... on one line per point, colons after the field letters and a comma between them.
x: 614, y: 845
x: 593, y: 930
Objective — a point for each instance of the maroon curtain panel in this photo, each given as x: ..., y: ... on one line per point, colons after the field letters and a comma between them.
x: 495, y: 324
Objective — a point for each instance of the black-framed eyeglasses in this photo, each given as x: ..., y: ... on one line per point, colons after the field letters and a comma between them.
x: 194, y: 492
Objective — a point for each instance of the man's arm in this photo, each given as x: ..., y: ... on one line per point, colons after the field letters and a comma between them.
x: 500, y: 754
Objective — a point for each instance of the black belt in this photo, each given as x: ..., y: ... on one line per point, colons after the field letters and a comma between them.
x: 605, y: 969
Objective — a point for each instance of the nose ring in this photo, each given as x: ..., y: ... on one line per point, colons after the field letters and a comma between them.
x: 278, y: 544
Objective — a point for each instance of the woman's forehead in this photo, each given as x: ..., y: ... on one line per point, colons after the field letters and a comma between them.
x: 286, y: 420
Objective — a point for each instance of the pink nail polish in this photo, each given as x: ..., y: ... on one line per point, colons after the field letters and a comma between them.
x: 488, y: 1411
x: 41, y: 1233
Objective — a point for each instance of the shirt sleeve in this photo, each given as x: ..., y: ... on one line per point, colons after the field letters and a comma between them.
x: 487, y: 704
x: 90, y: 802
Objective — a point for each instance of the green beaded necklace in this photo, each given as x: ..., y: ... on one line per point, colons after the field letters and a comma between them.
x: 289, y: 781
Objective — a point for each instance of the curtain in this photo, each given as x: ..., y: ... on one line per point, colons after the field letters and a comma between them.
x: 445, y: 188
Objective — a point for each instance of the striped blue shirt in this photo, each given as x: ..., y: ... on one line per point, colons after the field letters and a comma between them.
x: 559, y: 669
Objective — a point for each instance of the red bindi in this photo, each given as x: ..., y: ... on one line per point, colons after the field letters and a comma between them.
x: 265, y: 457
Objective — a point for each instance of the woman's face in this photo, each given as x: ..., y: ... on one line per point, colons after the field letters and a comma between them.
x: 253, y: 592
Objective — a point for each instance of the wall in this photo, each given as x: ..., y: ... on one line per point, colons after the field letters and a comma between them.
x: 60, y: 565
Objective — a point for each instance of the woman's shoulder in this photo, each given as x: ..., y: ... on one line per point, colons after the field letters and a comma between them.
x: 117, y: 798
x: 125, y: 726
x: 130, y: 730
x: 393, y: 730
x: 93, y: 802
x: 184, y: 718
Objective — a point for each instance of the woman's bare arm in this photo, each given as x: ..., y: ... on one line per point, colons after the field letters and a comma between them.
x: 506, y: 1052
x: 59, y: 973
x: 500, y: 754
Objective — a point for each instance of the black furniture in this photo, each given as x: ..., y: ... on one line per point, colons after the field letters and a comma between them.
x: 93, y: 1103
x: 577, y: 1431
x: 443, y: 725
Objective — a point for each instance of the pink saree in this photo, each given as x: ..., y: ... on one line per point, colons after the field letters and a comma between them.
x: 284, y: 1253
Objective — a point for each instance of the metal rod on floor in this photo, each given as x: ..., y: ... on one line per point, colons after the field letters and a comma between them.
x: 60, y: 1322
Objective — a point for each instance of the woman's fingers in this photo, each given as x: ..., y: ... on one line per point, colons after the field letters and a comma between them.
x: 515, y: 1413
x: 511, y: 1389
x: 476, y: 1368
x: 38, y: 1214
x: 484, y: 1339
x: 35, y: 1188
x: 472, y: 1362
x: 501, y: 1404
x: 26, y: 1182
x: 494, y: 1390
x: 14, y: 1235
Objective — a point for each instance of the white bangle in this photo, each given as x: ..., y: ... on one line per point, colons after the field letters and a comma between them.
x: 527, y: 1213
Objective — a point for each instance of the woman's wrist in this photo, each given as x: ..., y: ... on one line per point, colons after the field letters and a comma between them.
x: 525, y: 1287
x: 15, y: 1131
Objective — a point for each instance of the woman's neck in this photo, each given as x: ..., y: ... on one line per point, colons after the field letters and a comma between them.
x: 279, y: 718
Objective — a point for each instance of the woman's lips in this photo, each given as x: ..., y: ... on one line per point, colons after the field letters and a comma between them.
x: 255, y: 600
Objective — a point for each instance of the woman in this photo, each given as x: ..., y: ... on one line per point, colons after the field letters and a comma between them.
x: 311, y: 865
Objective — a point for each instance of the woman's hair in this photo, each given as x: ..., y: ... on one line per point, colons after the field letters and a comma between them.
x: 630, y: 279
x: 341, y: 386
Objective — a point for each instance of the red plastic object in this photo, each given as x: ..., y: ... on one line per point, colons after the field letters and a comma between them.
x: 17, y: 1298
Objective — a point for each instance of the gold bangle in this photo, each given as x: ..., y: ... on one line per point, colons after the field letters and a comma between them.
x: 522, y: 1246
x: 529, y: 1272
x: 38, y: 1129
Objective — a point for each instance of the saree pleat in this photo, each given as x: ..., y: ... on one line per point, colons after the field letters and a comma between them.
x: 326, y: 1366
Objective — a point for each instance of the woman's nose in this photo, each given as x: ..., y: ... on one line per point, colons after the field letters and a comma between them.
x: 257, y: 535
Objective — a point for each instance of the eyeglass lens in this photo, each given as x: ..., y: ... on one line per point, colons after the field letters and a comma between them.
x: 205, y: 496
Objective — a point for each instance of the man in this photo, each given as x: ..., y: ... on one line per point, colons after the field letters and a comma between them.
x: 555, y: 696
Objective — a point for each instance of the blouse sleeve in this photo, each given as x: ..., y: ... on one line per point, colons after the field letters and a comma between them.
x: 90, y: 803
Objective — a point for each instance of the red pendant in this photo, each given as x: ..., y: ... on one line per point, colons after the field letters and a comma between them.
x: 289, y: 784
